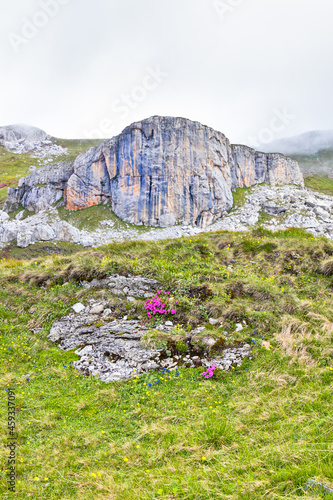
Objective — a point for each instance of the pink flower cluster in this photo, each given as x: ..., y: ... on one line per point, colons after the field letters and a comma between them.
x: 210, y: 372
x: 155, y: 305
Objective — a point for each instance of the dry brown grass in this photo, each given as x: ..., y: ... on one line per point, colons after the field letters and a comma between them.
x: 326, y: 267
x: 292, y: 333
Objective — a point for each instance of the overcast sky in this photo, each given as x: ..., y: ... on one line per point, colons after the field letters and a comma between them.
x: 256, y: 70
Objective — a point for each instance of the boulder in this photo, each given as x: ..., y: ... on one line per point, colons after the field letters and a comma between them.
x: 44, y: 232
x: 3, y: 216
x: 66, y: 232
x: 42, y: 188
x: 273, y: 208
x: 24, y: 239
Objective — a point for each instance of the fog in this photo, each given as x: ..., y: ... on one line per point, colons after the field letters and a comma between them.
x: 256, y: 70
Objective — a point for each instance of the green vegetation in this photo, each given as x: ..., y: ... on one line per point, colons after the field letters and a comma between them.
x: 75, y: 146
x: 239, y: 197
x: 90, y: 218
x: 39, y: 250
x: 256, y: 432
x: 321, y: 184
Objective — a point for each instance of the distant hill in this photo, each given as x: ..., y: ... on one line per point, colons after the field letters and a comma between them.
x: 312, y: 150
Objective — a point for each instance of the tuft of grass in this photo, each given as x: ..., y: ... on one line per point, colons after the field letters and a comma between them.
x: 239, y: 197
x: 326, y: 267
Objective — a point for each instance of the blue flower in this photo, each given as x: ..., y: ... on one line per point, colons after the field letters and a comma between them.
x: 157, y: 381
x: 28, y: 379
x: 255, y: 331
x: 149, y: 385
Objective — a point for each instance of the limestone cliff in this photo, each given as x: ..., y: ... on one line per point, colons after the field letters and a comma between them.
x: 158, y: 172
x: 165, y: 170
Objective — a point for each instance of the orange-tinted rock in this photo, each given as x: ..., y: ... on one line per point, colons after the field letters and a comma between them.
x: 165, y: 170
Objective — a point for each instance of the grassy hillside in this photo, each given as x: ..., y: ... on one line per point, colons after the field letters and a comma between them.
x: 320, y: 184
x: 13, y: 166
x: 256, y: 432
x: 319, y: 164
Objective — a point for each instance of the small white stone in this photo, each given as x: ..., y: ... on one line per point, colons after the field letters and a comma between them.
x: 97, y: 309
x: 78, y: 307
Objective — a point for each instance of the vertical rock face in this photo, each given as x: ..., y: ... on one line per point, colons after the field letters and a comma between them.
x: 165, y: 170
x: 157, y: 172
x: 250, y: 167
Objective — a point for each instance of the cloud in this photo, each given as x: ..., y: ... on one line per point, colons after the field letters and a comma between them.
x: 229, y: 71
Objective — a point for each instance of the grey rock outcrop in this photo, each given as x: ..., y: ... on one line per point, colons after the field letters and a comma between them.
x: 165, y: 170
x: 133, y: 286
x: 42, y: 188
x: 26, y: 139
x: 22, y: 137
x: 157, y: 172
x: 113, y: 351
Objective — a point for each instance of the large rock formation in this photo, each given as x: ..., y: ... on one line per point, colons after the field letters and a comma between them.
x: 41, y: 189
x: 157, y: 172
x: 165, y: 170
x: 14, y: 136
x: 26, y: 139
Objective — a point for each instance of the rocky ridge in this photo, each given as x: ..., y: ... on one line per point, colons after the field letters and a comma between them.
x: 159, y: 172
x: 20, y: 139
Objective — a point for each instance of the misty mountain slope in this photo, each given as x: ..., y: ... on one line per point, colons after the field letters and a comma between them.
x: 318, y: 164
x: 312, y: 150
x: 308, y: 143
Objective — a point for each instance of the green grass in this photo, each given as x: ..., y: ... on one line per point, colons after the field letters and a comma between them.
x: 40, y: 249
x: 320, y: 184
x: 90, y: 218
x: 255, y: 432
x: 239, y: 197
